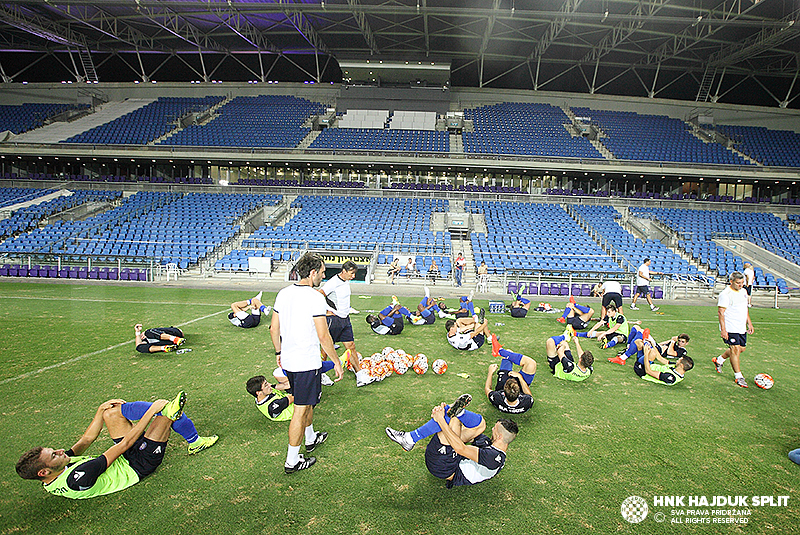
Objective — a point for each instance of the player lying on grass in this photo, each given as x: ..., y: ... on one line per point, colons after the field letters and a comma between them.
x: 429, y: 308
x: 449, y: 454
x: 512, y: 393
x: 390, y: 319
x: 466, y: 308
x: 576, y: 315
x: 520, y: 306
x: 662, y: 371
x: 671, y: 349
x: 137, y: 451
x: 157, y: 339
x: 562, y: 363
x: 247, y: 314
x: 467, y: 334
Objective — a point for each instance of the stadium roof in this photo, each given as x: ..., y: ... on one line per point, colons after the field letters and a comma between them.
x: 733, y: 51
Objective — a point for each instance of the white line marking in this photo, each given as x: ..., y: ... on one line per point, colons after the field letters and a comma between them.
x: 87, y: 300
x: 93, y: 353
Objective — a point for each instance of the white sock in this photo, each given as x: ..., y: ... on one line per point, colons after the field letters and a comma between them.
x: 720, y: 360
x: 427, y: 292
x: 738, y: 375
x: 310, y: 434
x: 293, y: 455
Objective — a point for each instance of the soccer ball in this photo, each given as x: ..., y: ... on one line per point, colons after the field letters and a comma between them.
x: 382, y: 370
x: 439, y: 366
x: 420, y: 363
x: 764, y: 380
x: 386, y: 351
x: 399, y: 366
x: 366, y: 363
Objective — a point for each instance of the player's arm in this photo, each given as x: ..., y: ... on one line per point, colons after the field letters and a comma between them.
x: 647, y: 369
x: 470, y: 452
x: 112, y: 453
x: 721, y: 313
x: 488, y: 386
x: 95, y: 426
x: 275, y: 334
x: 522, y: 383
x: 750, y: 328
x: 325, y: 339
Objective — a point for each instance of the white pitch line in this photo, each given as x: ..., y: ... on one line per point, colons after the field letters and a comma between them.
x: 93, y: 353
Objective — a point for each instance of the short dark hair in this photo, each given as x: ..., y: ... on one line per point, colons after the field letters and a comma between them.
x: 736, y: 275
x: 254, y: 384
x: 688, y: 363
x: 449, y: 325
x: 510, y: 427
x: 349, y: 266
x: 646, y: 260
x: 587, y: 359
x: 512, y: 389
x: 610, y: 307
x: 372, y: 319
x: 683, y: 336
x: 30, y: 463
x: 307, y: 264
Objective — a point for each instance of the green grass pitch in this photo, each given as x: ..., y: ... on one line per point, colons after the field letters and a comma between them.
x: 582, y: 449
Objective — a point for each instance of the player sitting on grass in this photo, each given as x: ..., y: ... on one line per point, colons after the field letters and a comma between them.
x: 562, y: 363
x: 158, y: 339
x: 520, y: 306
x: 662, y: 371
x: 448, y: 455
x: 247, y: 314
x: 467, y: 334
x: 137, y: 451
x: 273, y: 400
x: 618, y: 328
x: 512, y: 393
x: 576, y: 315
x: 674, y: 348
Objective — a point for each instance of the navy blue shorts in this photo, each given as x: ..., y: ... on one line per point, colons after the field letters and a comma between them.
x: 615, y: 297
x: 577, y: 323
x: 307, y: 386
x: 518, y: 312
x: 643, y: 290
x: 442, y: 461
x: 145, y: 455
x: 340, y: 328
x: 736, y: 339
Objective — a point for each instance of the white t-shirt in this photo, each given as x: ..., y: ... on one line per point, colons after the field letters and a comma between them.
x: 338, y: 291
x: 749, y: 276
x: 297, y: 306
x: 610, y: 287
x: 462, y: 341
x: 735, y: 304
x: 641, y: 273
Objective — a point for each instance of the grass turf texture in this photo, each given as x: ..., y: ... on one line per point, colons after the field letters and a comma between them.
x: 582, y: 449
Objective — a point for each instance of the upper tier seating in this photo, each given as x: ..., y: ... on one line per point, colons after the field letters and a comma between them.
x: 24, y: 117
x: 381, y: 139
x: 602, y: 220
x: 659, y: 138
x: 524, y: 129
x: 357, y: 223
x: 535, y: 238
x: 260, y: 121
x: 769, y: 147
x: 147, y: 123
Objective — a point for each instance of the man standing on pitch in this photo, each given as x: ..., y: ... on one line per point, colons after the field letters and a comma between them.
x: 734, y: 325
x: 298, y: 328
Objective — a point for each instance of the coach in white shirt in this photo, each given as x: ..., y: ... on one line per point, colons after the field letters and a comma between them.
x: 734, y: 325
x: 297, y: 330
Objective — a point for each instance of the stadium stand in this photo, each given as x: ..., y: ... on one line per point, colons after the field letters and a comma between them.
x: 768, y: 147
x: 531, y: 237
x: 602, y: 220
x: 382, y: 139
x: 25, y: 117
x: 260, y: 121
x: 631, y: 136
x: 147, y: 123
x: 524, y: 129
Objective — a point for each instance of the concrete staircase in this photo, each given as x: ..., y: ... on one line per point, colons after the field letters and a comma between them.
x: 456, y: 143
x: 309, y: 139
